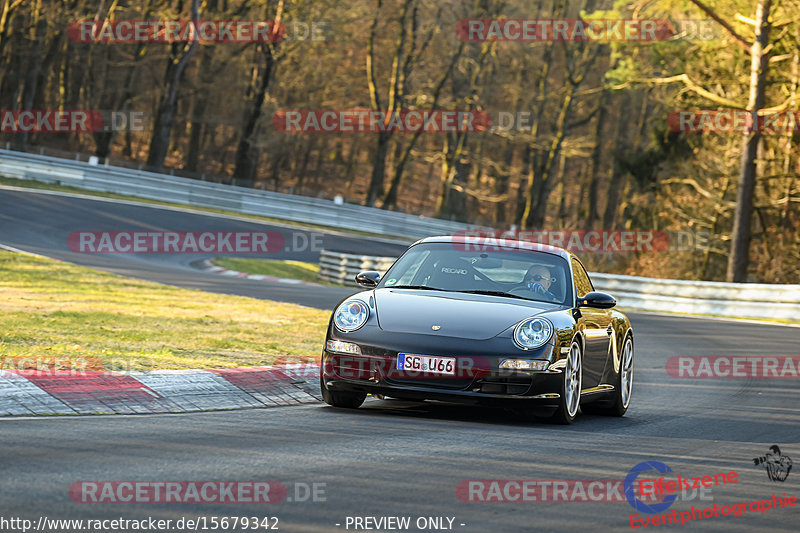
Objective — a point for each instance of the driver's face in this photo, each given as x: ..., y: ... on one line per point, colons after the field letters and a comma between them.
x: 543, y: 276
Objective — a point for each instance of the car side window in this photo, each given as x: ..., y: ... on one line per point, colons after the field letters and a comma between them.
x: 583, y: 285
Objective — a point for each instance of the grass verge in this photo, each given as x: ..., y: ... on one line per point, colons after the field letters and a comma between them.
x: 58, y: 310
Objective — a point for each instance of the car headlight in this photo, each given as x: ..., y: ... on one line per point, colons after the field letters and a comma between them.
x: 532, y: 333
x: 351, y: 315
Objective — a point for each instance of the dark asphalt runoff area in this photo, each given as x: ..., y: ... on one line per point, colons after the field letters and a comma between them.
x: 404, y: 459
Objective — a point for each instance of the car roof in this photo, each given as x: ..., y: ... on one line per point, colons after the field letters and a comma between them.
x: 496, y: 240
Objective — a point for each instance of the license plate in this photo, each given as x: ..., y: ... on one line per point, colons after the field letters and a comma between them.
x: 426, y: 363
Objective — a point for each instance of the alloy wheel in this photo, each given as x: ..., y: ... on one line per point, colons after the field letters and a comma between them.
x: 572, y: 385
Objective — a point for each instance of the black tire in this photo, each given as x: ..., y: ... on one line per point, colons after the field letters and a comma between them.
x: 621, y: 397
x: 568, y: 404
x: 349, y: 400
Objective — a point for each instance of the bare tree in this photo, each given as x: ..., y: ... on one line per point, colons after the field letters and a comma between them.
x: 180, y: 54
x: 262, y: 75
x: 404, y: 57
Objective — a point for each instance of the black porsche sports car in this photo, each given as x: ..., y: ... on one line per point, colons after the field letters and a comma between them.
x: 515, y: 324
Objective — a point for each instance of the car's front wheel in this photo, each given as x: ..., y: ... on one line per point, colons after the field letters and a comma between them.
x: 350, y: 400
x: 570, y: 386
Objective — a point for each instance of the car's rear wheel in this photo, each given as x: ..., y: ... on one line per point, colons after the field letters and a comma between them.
x: 350, y: 400
x: 570, y: 386
x: 621, y: 397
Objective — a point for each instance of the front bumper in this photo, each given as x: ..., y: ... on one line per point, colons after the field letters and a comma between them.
x: 477, y: 380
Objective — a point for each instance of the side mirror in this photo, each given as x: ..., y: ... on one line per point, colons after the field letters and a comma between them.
x: 368, y: 278
x: 598, y: 300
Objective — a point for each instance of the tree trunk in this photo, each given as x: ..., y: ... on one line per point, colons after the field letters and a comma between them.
x: 616, y: 183
x: 378, y: 168
x: 35, y: 62
x: 562, y: 213
x: 594, y: 163
x: 301, y: 174
x: 247, y: 152
x: 451, y: 202
x: 200, y: 100
x: 502, y: 184
x: 536, y: 217
x: 180, y: 55
x: 196, y: 128
x: 526, y: 190
x: 522, y: 195
x: 786, y: 222
x: 5, y: 16
x: 349, y: 173
x: 743, y: 214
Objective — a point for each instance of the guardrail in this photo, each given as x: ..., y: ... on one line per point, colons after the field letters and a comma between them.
x: 244, y: 200
x: 747, y: 300
x: 340, y: 267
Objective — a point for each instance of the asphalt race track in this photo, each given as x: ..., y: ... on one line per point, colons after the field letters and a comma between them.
x: 394, y: 458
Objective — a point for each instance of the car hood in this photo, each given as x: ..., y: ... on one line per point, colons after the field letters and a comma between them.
x: 467, y: 316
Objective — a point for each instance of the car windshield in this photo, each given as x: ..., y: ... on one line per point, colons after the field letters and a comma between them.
x: 507, y: 272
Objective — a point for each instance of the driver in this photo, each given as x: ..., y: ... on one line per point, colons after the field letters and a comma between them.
x: 538, y: 279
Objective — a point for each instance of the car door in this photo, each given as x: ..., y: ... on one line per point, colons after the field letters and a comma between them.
x: 597, y: 330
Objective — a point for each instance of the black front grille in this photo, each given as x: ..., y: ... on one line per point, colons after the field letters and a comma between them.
x: 510, y: 383
x: 438, y: 382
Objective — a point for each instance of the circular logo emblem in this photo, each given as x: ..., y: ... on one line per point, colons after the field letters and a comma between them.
x: 436, y: 327
x: 630, y: 481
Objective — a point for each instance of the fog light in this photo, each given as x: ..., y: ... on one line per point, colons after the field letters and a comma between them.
x: 343, y: 347
x: 523, y: 364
